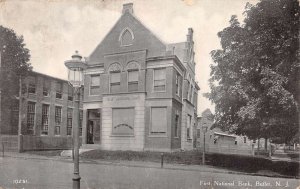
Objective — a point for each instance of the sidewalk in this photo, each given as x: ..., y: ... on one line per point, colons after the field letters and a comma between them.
x: 280, y: 155
x: 142, y: 164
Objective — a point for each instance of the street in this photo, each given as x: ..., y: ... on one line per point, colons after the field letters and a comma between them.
x: 41, y: 173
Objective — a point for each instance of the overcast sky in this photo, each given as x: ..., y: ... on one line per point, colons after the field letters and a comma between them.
x: 54, y: 29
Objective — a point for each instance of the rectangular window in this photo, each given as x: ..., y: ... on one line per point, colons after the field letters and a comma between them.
x: 95, y: 85
x: 188, y: 127
x: 198, y: 133
x: 245, y: 140
x: 159, y: 79
x: 70, y: 93
x: 133, y: 80
x: 188, y: 90
x: 123, y: 121
x: 115, y: 82
x: 192, y: 94
x: 30, y: 117
x: 158, y: 120
x: 46, y: 87
x: 58, y: 90
x: 177, y: 80
x: 69, y: 121
x: 176, y: 125
x: 32, y: 85
x: 57, y: 120
x: 15, y: 113
x: 45, y: 119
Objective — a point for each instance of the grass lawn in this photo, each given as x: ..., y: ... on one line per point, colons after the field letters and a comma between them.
x: 188, y: 157
x: 45, y: 152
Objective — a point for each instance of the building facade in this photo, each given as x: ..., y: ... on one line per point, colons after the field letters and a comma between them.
x: 217, y: 141
x: 46, y: 114
x: 139, y: 93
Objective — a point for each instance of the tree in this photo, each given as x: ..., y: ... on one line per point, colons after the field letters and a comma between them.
x: 255, y: 76
x: 14, y: 63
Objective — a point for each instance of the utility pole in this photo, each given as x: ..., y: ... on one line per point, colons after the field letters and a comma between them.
x: 20, y: 137
x: 1, y: 51
x: 203, y: 154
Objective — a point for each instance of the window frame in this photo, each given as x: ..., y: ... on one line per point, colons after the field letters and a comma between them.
x: 188, y: 129
x: 115, y: 83
x: 60, y: 120
x: 165, y: 80
x: 69, y: 119
x: 177, y: 125
x: 45, y: 89
x: 159, y: 134
x: 134, y: 82
x: 29, y: 114
x: 43, y: 119
x: 57, y: 93
x: 177, y: 83
x: 94, y: 86
x: 133, y: 125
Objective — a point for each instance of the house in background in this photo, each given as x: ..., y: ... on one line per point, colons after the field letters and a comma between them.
x: 140, y: 93
x: 46, y: 115
x: 217, y: 141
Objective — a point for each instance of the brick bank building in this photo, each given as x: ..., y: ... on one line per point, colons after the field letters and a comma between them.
x: 139, y: 94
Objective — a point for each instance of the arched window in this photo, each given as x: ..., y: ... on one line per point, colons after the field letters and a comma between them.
x: 126, y: 37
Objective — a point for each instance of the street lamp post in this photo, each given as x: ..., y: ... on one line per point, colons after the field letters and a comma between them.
x: 76, y: 66
x: 1, y: 51
x: 203, y: 154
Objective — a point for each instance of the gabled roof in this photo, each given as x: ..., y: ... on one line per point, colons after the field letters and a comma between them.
x: 206, y: 113
x: 143, y: 38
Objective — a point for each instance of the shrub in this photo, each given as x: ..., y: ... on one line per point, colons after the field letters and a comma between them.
x: 253, y: 164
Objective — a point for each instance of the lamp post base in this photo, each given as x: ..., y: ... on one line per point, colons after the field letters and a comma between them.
x: 76, y: 181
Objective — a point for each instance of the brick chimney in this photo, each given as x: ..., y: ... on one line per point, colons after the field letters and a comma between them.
x: 128, y: 7
x: 190, y: 35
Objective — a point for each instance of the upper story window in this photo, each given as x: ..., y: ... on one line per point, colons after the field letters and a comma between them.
x: 46, y: 87
x: 133, y: 80
x: 114, y: 71
x: 115, y: 82
x: 70, y: 93
x: 58, y: 90
x: 32, y: 85
x: 126, y: 37
x: 160, y: 79
x: 95, y: 85
x: 177, y: 80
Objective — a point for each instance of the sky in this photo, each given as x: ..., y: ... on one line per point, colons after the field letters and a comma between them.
x: 54, y: 29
